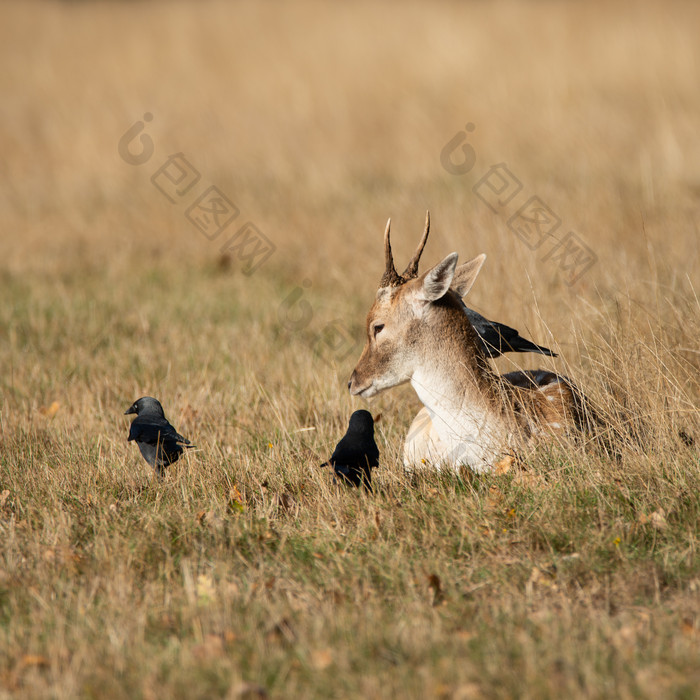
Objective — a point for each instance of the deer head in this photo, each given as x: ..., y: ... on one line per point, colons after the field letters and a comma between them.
x: 412, y: 318
x: 418, y: 331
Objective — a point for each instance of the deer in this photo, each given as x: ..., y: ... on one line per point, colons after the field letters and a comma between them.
x: 419, y: 332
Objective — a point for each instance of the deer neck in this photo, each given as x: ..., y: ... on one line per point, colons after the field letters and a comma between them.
x: 454, y: 381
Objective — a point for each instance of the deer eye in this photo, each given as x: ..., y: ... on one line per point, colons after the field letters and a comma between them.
x: 377, y: 329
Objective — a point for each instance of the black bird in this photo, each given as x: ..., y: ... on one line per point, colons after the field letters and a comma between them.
x: 357, y: 453
x: 159, y: 442
x: 497, y: 338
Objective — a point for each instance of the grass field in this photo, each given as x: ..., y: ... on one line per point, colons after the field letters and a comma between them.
x: 245, y: 573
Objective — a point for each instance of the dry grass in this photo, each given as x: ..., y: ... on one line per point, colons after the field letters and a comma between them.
x: 577, y: 576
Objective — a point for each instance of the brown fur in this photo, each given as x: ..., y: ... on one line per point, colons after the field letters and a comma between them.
x: 426, y: 329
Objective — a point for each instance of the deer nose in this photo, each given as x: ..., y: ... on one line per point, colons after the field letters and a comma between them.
x: 352, y: 378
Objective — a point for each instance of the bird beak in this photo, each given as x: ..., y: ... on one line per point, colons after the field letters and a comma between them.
x: 131, y: 409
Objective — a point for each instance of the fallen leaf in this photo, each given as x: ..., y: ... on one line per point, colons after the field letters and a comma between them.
x: 495, y: 498
x: 35, y: 660
x: 442, y: 690
x: 688, y: 627
x: 321, y: 659
x: 50, y: 411
x: 464, y: 635
x: 504, y: 465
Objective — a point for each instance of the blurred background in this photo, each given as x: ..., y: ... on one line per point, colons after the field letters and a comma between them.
x: 316, y: 121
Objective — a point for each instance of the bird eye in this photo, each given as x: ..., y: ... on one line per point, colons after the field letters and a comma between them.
x: 378, y: 329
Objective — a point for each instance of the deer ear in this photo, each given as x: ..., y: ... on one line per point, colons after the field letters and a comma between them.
x: 466, y: 274
x: 437, y: 280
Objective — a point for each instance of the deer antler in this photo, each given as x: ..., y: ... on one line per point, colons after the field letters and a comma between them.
x: 411, y: 271
x: 390, y: 278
